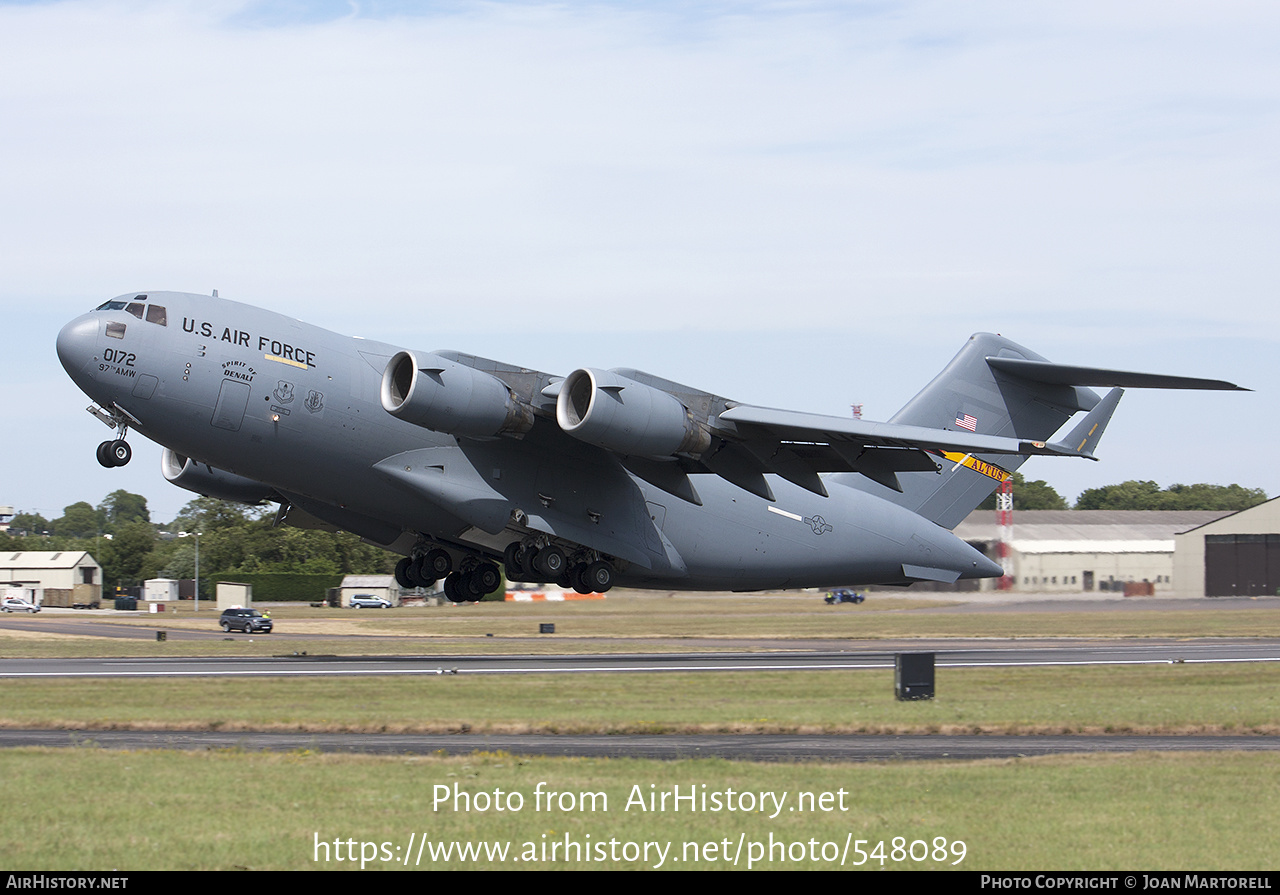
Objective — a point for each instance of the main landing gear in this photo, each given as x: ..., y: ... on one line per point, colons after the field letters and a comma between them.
x: 586, y: 572
x: 114, y: 452
x: 583, y: 570
x: 472, y: 582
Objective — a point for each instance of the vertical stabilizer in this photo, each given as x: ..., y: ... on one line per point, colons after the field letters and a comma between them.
x: 971, y: 395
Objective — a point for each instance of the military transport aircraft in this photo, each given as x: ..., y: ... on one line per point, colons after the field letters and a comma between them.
x: 591, y: 479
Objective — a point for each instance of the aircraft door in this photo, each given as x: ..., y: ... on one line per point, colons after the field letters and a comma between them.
x: 233, y: 398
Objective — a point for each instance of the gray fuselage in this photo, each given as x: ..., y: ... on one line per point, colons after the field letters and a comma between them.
x: 296, y: 407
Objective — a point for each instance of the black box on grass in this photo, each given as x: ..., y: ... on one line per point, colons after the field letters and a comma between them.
x: 913, y: 675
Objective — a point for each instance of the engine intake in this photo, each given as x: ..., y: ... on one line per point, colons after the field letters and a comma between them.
x: 203, y: 479
x: 450, y: 397
x: 603, y: 408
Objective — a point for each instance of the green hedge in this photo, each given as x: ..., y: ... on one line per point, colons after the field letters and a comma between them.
x: 276, y: 587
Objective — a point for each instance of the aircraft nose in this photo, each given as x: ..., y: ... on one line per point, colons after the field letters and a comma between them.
x: 77, y: 344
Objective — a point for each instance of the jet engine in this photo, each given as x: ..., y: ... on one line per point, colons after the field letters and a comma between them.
x: 203, y: 479
x: 603, y: 408
x: 439, y: 394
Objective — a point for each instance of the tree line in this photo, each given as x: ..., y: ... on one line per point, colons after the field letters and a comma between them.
x: 233, y: 538
x: 1132, y: 495
x: 239, y: 539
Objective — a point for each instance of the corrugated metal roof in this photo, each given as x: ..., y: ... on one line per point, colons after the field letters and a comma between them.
x: 43, y: 559
x: 368, y: 581
x: 1087, y: 525
x: 1083, y: 546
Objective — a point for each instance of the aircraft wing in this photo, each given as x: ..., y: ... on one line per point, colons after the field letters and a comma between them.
x: 663, y: 431
x: 797, y: 446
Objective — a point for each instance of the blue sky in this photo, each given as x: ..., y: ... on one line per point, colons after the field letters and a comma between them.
x: 795, y: 204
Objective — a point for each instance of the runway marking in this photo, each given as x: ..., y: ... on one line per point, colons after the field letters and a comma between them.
x: 447, y: 669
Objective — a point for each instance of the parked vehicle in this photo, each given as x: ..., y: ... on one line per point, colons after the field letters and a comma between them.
x: 843, y: 595
x: 250, y: 621
x: 17, y: 604
x: 369, y: 601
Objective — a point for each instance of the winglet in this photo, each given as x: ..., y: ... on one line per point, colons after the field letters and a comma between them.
x: 1084, y: 437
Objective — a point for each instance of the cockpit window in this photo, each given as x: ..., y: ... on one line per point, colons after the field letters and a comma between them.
x: 153, y: 313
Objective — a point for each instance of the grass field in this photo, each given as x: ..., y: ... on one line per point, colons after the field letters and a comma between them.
x: 228, y: 810
x: 86, y: 808
x: 1126, y: 699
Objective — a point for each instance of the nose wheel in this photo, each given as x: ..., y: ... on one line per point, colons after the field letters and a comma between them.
x: 114, y: 453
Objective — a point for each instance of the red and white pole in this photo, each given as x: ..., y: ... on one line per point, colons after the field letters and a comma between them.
x: 1004, y: 516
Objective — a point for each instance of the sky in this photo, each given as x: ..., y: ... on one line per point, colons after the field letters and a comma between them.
x: 795, y: 204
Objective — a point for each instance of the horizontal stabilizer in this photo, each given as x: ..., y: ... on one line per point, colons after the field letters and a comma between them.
x: 1066, y: 374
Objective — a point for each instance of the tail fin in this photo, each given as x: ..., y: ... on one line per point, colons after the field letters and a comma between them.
x: 997, y: 387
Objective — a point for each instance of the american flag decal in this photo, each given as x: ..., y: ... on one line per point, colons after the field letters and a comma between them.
x: 964, y: 421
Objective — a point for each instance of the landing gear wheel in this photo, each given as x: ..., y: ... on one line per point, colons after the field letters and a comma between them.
x: 579, y: 579
x: 422, y: 573
x: 470, y: 586
x: 528, y: 569
x: 451, y: 589
x: 404, y: 578
x: 486, y: 577
x: 550, y: 562
x: 120, y: 452
x: 599, y: 576
x: 436, y: 564
x: 511, y: 556
x: 104, y: 455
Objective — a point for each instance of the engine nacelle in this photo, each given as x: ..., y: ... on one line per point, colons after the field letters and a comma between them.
x: 202, y: 479
x: 450, y: 397
x: 602, y: 408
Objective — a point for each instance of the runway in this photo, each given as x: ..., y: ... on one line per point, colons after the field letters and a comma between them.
x: 740, y: 747
x: 780, y: 655
x: 947, y: 653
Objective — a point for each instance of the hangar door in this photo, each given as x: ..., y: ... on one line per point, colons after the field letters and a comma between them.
x: 1241, y: 565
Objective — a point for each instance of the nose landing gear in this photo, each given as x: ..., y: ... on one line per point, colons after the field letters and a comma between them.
x: 115, y: 452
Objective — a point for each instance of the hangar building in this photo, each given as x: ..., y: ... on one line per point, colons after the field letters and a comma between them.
x: 1077, y: 551
x: 58, y: 577
x: 1237, y: 555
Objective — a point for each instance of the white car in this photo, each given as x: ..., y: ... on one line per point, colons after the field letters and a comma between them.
x: 17, y: 604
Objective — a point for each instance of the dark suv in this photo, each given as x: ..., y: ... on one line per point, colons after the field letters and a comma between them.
x: 248, y: 620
